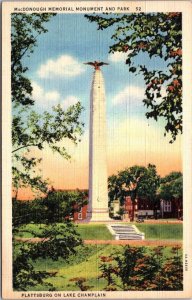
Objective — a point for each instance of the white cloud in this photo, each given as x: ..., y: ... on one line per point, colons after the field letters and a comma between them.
x: 70, y: 100
x: 44, y: 98
x: 128, y: 93
x: 118, y: 56
x: 63, y: 66
x: 51, y: 98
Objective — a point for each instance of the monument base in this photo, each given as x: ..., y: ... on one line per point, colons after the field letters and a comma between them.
x: 98, y: 216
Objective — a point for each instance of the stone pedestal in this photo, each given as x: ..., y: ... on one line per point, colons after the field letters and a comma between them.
x: 98, y: 191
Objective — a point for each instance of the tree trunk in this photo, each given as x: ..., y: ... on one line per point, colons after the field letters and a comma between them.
x: 155, y: 210
x: 16, y: 194
x: 133, y: 211
x: 133, y: 199
x: 162, y: 208
x: 178, y: 208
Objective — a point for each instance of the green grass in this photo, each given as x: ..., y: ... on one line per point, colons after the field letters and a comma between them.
x: 94, y: 232
x: 162, y: 231
x: 85, y: 263
x: 100, y: 231
x: 87, y: 232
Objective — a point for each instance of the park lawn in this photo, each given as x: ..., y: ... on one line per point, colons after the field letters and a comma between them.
x: 85, y: 263
x: 94, y: 232
x: 161, y: 231
x: 100, y: 231
x: 86, y: 231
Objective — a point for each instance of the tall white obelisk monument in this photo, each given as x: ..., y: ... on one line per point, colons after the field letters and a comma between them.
x: 98, y: 191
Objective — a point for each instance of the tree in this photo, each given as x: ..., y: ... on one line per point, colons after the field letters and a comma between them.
x: 34, y: 130
x: 108, y: 272
x: 25, y: 28
x: 21, y: 212
x: 60, y: 205
x: 39, y: 131
x: 136, y: 181
x: 113, y: 187
x: 80, y: 282
x: 30, y: 129
x: 171, y: 189
x: 24, y: 275
x: 57, y: 241
x: 155, y: 35
x: 56, y: 206
x: 142, y: 269
x: 171, y: 276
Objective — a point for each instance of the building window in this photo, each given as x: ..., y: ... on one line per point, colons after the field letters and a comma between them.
x: 80, y: 214
x: 167, y: 206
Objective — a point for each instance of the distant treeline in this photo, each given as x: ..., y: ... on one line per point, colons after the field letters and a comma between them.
x: 55, y: 207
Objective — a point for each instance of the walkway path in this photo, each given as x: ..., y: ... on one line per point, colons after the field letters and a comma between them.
x: 170, y: 243
x: 149, y: 221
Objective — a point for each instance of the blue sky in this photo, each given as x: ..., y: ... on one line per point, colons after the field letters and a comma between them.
x: 58, y: 75
x: 71, y: 35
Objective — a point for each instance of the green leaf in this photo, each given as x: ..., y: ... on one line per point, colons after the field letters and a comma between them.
x: 132, y: 69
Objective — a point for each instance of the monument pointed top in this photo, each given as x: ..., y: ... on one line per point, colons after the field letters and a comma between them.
x: 96, y: 64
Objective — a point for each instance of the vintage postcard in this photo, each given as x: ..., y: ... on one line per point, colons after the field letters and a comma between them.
x: 97, y: 161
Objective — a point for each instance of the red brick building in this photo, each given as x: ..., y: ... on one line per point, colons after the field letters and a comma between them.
x: 143, y: 208
x: 171, y: 209
x: 147, y: 209
x: 80, y: 214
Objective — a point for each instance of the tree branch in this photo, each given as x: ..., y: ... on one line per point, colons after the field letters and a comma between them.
x: 30, y: 145
x: 22, y: 54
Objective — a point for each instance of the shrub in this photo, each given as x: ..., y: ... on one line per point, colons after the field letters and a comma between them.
x: 141, y: 269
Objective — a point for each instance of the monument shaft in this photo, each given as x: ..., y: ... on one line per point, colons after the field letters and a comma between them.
x: 98, y: 191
